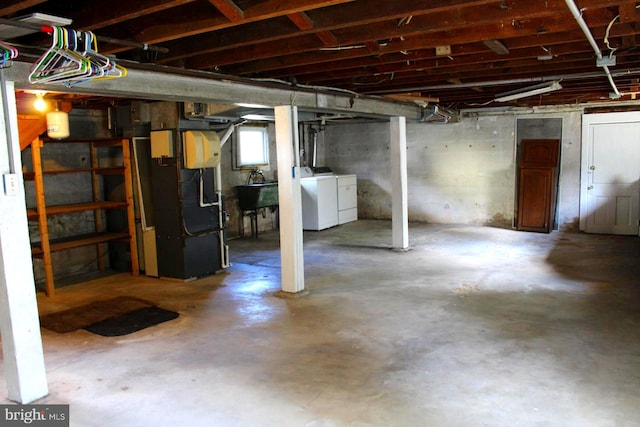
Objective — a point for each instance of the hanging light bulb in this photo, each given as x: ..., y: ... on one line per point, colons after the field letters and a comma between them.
x: 39, y: 104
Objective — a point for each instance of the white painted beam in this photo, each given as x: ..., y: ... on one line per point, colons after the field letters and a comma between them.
x: 19, y: 324
x: 210, y: 88
x: 400, y: 210
x: 289, y: 200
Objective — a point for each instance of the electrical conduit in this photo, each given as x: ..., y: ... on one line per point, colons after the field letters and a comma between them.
x: 585, y: 29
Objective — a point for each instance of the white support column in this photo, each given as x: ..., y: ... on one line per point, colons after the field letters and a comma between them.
x: 400, y: 210
x: 19, y: 324
x: 290, y: 201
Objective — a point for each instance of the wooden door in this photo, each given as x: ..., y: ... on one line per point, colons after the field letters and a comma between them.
x: 537, y: 153
x: 534, y: 199
x: 537, y: 184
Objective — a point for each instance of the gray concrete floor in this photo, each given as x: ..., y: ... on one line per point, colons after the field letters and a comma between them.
x: 475, y: 326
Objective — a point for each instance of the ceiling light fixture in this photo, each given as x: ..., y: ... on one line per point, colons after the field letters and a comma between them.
x: 528, y: 91
x: 40, y: 104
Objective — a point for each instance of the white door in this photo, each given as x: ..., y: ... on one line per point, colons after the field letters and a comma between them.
x: 610, y: 195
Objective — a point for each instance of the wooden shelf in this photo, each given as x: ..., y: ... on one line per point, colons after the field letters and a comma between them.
x: 117, y: 170
x: 46, y: 246
x: 100, y: 142
x: 78, y: 241
x: 76, y: 207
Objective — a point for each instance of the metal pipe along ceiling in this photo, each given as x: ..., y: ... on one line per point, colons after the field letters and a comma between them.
x: 585, y: 29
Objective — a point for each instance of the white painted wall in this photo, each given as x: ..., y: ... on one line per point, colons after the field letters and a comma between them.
x: 461, y: 173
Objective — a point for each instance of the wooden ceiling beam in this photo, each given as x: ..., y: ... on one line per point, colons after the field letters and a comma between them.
x: 393, y: 81
x: 475, y: 17
x: 326, y: 19
x: 423, y: 81
x: 373, y: 46
x: 523, y: 72
x: 427, y: 60
x: 386, y: 83
x: 15, y: 6
x: 104, y: 14
x: 560, y: 69
x: 309, y: 62
x: 174, y: 26
x: 465, y: 71
x: 628, y: 12
x: 555, y: 23
x: 229, y: 9
x: 469, y: 53
x: 302, y: 20
x: 460, y: 64
x: 327, y: 38
x: 305, y: 23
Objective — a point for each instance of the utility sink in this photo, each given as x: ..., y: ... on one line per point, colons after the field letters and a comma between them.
x: 256, y: 196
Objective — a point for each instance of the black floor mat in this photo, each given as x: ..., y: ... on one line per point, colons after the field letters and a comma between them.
x: 132, y: 321
x: 80, y: 317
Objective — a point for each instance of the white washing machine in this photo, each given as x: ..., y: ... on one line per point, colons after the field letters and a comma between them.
x: 319, y: 202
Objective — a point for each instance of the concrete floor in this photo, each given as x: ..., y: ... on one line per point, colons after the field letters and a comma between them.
x: 475, y: 326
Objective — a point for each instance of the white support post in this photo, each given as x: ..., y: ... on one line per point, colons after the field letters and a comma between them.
x: 400, y: 210
x: 290, y: 202
x: 19, y: 324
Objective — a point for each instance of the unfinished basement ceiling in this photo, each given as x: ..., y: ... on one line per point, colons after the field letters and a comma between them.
x: 462, y: 53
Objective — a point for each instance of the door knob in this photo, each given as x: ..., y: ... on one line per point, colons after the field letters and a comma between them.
x: 590, y: 187
x: 592, y: 168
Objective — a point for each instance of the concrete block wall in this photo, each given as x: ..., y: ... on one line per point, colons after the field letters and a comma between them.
x: 267, y: 219
x: 459, y: 173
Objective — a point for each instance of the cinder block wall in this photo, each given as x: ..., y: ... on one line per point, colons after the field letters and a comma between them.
x: 68, y: 188
x: 460, y: 173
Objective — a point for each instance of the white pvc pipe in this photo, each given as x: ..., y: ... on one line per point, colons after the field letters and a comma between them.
x: 587, y: 32
x: 224, y: 249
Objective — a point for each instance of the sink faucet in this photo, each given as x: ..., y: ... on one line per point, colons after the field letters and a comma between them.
x: 256, y: 176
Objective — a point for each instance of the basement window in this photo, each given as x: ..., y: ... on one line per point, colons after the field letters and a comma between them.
x: 252, y: 146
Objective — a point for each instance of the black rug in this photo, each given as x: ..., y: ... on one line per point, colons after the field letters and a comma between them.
x: 112, y: 317
x: 132, y: 321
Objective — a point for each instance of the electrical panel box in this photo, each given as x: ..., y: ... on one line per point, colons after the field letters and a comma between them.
x: 443, y: 50
x: 201, y: 149
x: 161, y: 144
x: 140, y: 112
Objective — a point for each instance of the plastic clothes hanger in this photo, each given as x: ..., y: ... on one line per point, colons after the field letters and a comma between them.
x: 73, y: 59
x: 98, y: 64
x: 7, y: 54
x: 115, y: 71
x: 59, y: 63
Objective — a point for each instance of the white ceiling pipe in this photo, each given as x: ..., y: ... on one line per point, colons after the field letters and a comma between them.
x: 587, y: 32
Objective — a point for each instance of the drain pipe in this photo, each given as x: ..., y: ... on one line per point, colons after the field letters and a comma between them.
x: 224, y: 249
x: 585, y: 29
x: 217, y: 182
